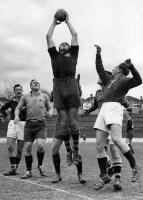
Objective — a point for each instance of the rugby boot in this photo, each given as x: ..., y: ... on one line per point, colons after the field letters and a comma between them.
x: 69, y: 158
x: 117, y: 184
x: 12, y: 172
x: 81, y: 179
x: 27, y: 175
x: 57, y: 179
x: 41, y: 170
x: 135, y: 174
x: 101, y: 182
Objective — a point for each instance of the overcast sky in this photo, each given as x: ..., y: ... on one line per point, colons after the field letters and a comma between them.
x: 116, y: 25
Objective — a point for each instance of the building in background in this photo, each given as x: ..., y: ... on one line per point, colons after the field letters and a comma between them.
x: 135, y: 103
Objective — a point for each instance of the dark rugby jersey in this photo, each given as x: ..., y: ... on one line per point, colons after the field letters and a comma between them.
x: 98, y: 101
x: 116, y: 90
x: 129, y: 125
x: 64, y: 66
x: 12, y: 104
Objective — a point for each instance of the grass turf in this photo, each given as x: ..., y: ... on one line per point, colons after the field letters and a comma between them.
x: 41, y: 188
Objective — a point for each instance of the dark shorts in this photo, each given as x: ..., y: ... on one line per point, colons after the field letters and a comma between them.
x: 35, y: 130
x: 130, y: 134
x: 66, y: 93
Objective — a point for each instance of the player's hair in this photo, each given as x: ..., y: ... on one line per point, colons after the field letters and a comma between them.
x: 32, y: 81
x: 16, y: 85
x: 123, y: 67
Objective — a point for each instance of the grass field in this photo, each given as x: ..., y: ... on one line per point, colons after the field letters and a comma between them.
x: 37, y: 188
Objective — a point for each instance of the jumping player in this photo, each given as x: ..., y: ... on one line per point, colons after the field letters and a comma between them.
x: 57, y: 142
x: 116, y: 158
x: 111, y: 114
x: 65, y: 87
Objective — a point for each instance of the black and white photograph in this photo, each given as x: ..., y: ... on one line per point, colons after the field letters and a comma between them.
x: 71, y: 99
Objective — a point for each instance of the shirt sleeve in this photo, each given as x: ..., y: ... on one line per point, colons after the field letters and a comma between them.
x: 74, y: 51
x: 4, y: 108
x: 135, y: 80
x: 53, y: 52
x: 101, y: 71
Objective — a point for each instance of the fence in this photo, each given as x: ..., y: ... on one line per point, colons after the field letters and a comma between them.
x: 86, y: 126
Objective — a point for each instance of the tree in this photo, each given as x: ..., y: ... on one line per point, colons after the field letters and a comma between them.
x: 6, y: 90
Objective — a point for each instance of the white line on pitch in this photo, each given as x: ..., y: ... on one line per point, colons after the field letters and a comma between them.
x: 49, y: 187
x: 88, y: 140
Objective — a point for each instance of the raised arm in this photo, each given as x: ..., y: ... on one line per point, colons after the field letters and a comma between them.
x: 49, y: 35
x: 74, y: 40
x: 99, y: 66
x: 136, y: 80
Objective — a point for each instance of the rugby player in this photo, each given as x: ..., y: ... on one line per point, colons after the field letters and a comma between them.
x: 57, y: 142
x: 130, y: 131
x: 111, y: 115
x: 116, y: 158
x: 15, y: 132
x: 37, y: 106
x: 65, y: 87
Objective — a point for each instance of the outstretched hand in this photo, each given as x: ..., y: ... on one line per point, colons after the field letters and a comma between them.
x: 98, y: 48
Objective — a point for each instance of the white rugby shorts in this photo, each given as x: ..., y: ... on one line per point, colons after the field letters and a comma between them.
x: 16, y: 130
x: 110, y: 113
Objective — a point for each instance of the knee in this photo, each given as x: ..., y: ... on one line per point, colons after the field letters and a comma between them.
x: 74, y: 126
x: 116, y: 140
x: 28, y: 149
x: 10, y: 148
x: 19, y: 150
x: 64, y: 127
x: 40, y: 148
x: 55, y: 150
x: 20, y: 147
